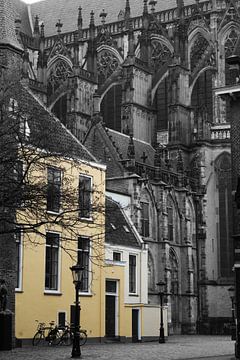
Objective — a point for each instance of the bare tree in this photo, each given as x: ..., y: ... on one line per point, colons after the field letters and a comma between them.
x: 31, y: 140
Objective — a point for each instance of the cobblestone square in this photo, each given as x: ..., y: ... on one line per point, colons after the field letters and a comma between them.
x: 176, y: 347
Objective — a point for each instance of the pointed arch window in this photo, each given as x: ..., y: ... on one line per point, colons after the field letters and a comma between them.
x: 150, y: 273
x: 174, y: 272
x: 145, y: 231
x: 58, y: 73
x: 223, y: 171
x: 173, y: 220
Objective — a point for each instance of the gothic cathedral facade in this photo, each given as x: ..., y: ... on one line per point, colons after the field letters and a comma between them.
x: 135, y: 82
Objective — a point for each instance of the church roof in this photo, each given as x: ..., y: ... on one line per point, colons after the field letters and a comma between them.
x: 142, y: 149
x: 7, y: 21
x: 49, y: 11
x: 21, y: 11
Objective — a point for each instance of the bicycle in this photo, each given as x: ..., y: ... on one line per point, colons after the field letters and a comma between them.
x: 52, y: 336
x: 68, y: 333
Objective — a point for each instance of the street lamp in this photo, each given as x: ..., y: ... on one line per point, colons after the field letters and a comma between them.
x: 77, y: 273
x: 231, y: 292
x: 161, y: 285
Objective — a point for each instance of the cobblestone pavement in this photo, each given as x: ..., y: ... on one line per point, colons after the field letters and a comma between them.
x: 176, y: 347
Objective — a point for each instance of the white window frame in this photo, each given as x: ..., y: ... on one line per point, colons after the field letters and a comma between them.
x: 136, y: 277
x: 61, y: 178
x: 91, y: 196
x: 87, y: 293
x: 118, y: 252
x: 20, y: 267
x: 52, y: 291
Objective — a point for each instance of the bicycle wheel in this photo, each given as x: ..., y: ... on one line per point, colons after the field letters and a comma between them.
x: 54, y: 337
x: 37, y: 338
x: 66, y: 338
x: 83, y: 338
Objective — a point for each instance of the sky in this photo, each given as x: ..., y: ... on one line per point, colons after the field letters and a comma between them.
x: 30, y: 1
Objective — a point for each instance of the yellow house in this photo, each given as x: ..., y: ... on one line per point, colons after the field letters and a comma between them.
x: 61, y: 222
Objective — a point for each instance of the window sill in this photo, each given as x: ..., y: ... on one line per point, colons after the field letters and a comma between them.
x: 18, y: 291
x: 90, y: 219
x: 133, y: 294
x: 50, y: 212
x: 52, y: 292
x: 85, y: 294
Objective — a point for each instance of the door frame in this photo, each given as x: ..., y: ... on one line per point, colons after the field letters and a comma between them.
x: 116, y: 295
x: 139, y: 335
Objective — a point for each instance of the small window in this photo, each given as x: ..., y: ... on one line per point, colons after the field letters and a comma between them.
x: 85, y: 196
x: 116, y: 256
x: 111, y: 286
x: 54, y: 190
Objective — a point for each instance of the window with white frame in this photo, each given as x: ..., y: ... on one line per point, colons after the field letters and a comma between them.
x: 117, y: 256
x: 53, y: 189
x: 18, y: 238
x: 84, y: 260
x: 52, y: 261
x: 85, y: 196
x: 132, y: 273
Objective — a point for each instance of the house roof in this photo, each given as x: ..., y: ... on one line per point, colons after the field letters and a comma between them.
x: 45, y: 130
x: 119, y: 230
x: 49, y: 11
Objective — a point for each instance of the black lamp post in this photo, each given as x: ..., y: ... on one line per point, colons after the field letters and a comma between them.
x: 77, y: 272
x: 161, y: 285
x: 231, y: 292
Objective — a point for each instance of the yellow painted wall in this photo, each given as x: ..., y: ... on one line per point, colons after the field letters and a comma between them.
x: 32, y: 303
x: 116, y: 272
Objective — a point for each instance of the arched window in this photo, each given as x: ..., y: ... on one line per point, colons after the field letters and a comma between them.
x: 229, y: 46
x: 57, y: 74
x: 173, y: 221
x: 174, y: 272
x: 223, y: 172
x: 190, y: 224
x: 147, y: 214
x: 111, y: 108
x: 150, y: 273
x: 107, y: 63
x: 161, y: 105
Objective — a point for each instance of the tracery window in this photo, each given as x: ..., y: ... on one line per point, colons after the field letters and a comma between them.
x: 160, y: 54
x: 107, y: 63
x: 230, y: 43
x: 199, y: 47
x: 59, y: 72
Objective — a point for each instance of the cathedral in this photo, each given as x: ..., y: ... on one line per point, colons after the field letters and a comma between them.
x: 136, y: 83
